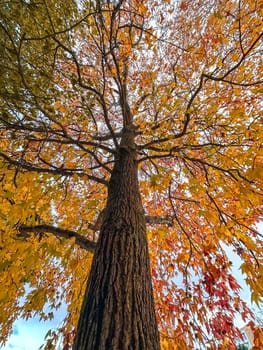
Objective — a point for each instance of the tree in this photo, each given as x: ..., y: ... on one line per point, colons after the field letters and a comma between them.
x: 116, y: 116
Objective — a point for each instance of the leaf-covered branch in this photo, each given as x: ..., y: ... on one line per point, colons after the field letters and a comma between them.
x: 22, y: 164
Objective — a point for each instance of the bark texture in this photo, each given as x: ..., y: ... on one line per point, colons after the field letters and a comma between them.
x: 118, y: 308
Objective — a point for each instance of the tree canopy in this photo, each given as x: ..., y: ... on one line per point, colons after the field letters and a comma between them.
x: 190, y: 75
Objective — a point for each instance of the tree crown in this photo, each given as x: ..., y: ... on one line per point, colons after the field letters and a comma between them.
x: 185, y: 79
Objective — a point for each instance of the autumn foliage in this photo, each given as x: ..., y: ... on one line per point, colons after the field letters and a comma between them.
x: 190, y: 75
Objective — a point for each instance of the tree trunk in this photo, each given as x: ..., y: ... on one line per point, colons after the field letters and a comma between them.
x: 118, y: 309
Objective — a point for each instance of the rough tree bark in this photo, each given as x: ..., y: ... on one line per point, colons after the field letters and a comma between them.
x: 118, y: 308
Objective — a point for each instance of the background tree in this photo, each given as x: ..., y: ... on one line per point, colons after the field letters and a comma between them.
x: 153, y: 110
x: 242, y: 347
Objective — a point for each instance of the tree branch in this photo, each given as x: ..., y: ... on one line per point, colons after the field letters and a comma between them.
x: 211, y: 77
x: 245, y: 54
x: 106, y: 137
x: 21, y: 163
x: 159, y: 220
x: 237, y: 65
x: 80, y: 240
x: 230, y: 171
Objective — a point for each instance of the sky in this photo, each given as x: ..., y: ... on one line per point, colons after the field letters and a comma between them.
x: 29, y: 335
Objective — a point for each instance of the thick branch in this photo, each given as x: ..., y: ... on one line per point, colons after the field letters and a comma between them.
x: 80, y: 240
x: 159, y: 220
x: 106, y: 137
